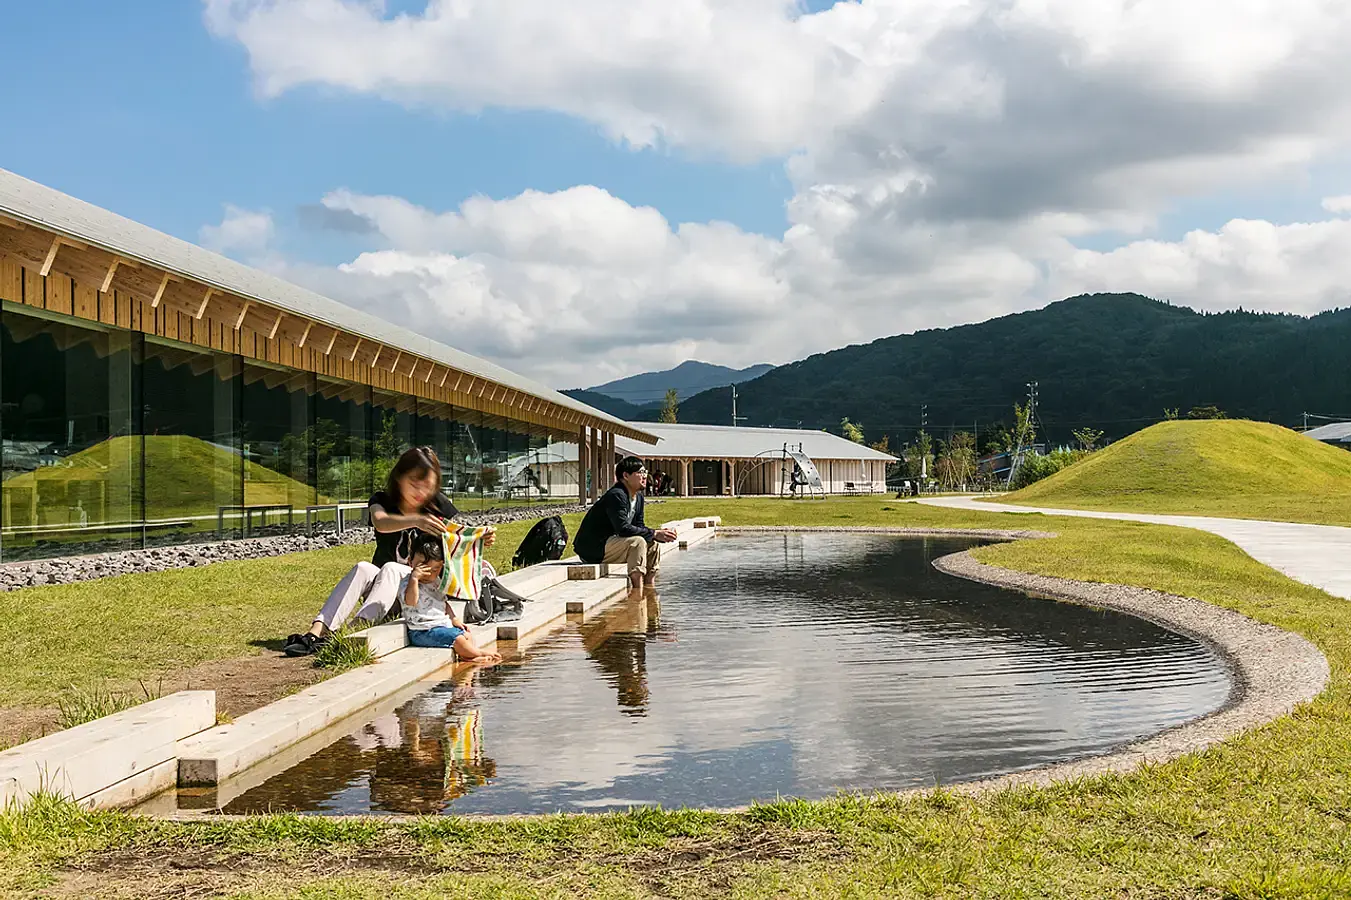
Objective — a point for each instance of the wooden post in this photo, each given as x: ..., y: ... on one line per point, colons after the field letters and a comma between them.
x: 684, y: 478
x: 583, y: 464
x: 731, y: 466
x: 597, y: 466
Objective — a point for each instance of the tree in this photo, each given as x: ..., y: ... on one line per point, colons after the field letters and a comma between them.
x: 1088, y: 438
x: 956, y: 465
x: 1024, y: 429
x: 1205, y: 412
x: 1170, y: 415
x: 669, y: 407
x: 851, y: 431
x: 882, y: 446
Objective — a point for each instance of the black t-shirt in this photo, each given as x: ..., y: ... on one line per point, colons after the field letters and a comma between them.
x: 396, y: 546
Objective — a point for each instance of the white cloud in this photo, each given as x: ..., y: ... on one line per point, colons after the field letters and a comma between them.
x: 242, y: 231
x: 1337, y: 204
x: 944, y: 157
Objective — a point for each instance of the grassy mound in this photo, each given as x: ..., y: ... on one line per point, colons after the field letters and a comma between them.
x: 1241, y: 469
x: 183, y: 476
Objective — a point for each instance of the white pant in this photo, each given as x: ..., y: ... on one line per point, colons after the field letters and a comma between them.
x: 379, y: 588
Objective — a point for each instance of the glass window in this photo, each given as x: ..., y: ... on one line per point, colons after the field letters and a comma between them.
x: 392, y: 417
x: 435, y: 428
x: 71, y: 438
x: 194, y: 469
x: 494, y: 486
x: 342, y: 441
x: 276, y: 429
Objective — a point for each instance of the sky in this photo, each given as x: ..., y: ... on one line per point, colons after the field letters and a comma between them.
x: 585, y: 190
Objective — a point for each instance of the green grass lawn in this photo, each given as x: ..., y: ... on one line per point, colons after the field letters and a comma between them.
x: 1265, y: 814
x: 1238, y: 469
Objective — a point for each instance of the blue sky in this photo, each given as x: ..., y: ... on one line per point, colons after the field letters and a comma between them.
x: 1007, y: 156
x: 144, y: 112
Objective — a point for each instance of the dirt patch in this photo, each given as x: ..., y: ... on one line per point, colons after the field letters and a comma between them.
x: 680, y: 867
x: 242, y: 684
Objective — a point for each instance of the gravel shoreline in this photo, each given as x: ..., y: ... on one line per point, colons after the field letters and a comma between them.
x: 1274, y: 670
x: 73, y: 569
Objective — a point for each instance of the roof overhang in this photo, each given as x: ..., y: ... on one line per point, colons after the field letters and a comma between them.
x: 50, y: 232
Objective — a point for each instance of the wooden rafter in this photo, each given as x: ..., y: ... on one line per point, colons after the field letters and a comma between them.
x: 244, y: 311
x: 163, y: 286
x: 112, y: 270
x: 334, y: 339
x: 51, y: 257
x: 306, y: 335
x: 355, y: 347
x: 459, y: 376
x: 427, y: 379
x: 272, y: 333
x: 12, y: 223
x: 398, y: 354
x: 206, y: 298
x: 376, y: 358
x: 444, y: 376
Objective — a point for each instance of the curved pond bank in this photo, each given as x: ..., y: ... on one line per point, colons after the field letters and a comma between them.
x: 801, y: 664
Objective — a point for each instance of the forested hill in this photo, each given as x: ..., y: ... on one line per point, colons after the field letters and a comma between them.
x: 1108, y: 361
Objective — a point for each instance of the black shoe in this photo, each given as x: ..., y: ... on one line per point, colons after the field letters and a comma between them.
x: 300, y: 645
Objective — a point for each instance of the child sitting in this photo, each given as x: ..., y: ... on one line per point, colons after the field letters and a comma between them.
x: 426, y: 609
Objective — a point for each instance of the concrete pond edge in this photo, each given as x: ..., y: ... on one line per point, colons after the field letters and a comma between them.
x: 1274, y: 670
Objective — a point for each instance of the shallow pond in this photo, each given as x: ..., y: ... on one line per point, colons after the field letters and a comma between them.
x: 797, y: 664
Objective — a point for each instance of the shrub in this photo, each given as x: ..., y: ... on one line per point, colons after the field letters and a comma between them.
x: 1035, y: 466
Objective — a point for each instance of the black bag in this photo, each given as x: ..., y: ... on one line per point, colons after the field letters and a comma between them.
x: 546, y: 540
x: 496, y: 602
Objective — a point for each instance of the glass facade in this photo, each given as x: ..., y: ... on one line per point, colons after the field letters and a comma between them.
x: 115, y: 440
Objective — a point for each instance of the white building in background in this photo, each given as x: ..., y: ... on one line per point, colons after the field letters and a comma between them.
x: 719, y: 460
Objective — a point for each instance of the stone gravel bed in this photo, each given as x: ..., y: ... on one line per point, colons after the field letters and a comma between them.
x: 72, y: 569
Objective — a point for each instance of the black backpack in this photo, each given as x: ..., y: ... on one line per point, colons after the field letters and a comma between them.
x: 547, y: 540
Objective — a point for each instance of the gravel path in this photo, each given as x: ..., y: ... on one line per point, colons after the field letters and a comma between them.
x: 71, y: 569
x: 1318, y: 555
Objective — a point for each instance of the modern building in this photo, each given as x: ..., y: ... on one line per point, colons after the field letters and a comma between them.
x: 1337, y: 433
x: 152, y: 392
x: 704, y: 460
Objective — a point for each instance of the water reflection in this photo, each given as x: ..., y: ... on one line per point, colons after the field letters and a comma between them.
x: 773, y: 665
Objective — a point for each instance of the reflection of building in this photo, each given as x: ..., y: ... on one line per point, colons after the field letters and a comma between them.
x: 150, y: 390
x: 719, y: 459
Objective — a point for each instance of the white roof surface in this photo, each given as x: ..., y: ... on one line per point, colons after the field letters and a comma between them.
x: 48, y: 208
x: 1337, y: 431
x: 726, y: 442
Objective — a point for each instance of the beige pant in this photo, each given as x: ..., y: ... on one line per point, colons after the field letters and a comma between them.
x: 635, y: 552
x: 376, y: 590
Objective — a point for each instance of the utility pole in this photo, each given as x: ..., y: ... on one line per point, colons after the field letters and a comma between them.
x: 1306, y: 422
x: 1023, y: 428
x: 735, y: 417
x: 923, y: 427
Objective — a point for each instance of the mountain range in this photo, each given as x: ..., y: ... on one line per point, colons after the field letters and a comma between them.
x: 1113, y: 362
x: 640, y: 396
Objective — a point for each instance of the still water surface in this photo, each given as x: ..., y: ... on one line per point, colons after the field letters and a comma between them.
x: 771, y: 665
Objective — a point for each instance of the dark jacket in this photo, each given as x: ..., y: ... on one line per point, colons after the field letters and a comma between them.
x: 605, y: 519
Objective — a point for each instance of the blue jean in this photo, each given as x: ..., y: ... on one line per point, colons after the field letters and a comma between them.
x: 440, y: 636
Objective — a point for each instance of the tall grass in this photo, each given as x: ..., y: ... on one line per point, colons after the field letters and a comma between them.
x: 85, y: 705
x: 340, y: 653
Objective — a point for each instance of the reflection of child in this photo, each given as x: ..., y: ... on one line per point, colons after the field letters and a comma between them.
x: 426, y: 610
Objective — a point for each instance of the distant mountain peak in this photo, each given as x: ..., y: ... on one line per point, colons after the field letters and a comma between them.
x: 688, y: 378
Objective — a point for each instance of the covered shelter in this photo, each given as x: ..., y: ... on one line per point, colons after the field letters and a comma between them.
x: 721, y: 460
x: 1338, y: 433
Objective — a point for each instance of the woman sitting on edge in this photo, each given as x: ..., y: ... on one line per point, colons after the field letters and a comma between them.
x: 410, y: 505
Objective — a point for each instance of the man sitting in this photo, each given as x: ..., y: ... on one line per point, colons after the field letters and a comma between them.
x: 613, y: 530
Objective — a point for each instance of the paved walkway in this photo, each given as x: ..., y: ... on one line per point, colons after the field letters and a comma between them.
x: 1319, y: 555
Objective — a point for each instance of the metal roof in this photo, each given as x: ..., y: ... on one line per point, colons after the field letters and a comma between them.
x: 36, y: 204
x: 1339, y: 432
x: 726, y: 442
